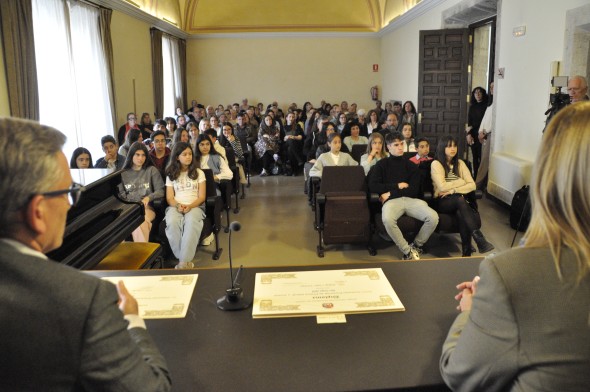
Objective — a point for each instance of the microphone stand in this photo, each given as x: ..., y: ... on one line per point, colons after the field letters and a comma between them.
x: 234, y: 296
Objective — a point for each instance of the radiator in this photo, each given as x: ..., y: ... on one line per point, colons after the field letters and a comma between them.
x: 507, y: 175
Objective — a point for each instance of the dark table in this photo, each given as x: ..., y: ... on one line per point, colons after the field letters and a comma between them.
x: 213, y: 350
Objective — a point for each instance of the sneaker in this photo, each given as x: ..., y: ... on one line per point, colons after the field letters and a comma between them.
x: 418, y: 249
x: 185, y: 265
x: 412, y: 255
x: 263, y: 173
x: 208, y: 240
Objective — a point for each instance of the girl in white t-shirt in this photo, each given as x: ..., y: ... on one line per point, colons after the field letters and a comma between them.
x: 185, y: 194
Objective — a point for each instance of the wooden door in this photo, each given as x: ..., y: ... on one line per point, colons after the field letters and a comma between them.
x: 442, y: 87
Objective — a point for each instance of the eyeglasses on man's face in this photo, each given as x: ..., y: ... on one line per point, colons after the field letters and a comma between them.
x: 73, y: 192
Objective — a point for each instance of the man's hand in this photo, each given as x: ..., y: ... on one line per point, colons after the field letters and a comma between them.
x: 127, y: 303
x: 470, y: 140
x: 403, y: 185
x: 384, y: 197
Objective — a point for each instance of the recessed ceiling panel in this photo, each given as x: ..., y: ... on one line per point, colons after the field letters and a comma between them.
x: 235, y: 16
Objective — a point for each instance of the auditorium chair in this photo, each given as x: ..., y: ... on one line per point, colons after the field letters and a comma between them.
x: 357, y: 152
x: 342, y: 213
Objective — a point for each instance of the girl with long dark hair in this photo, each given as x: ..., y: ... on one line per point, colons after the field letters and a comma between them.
x: 185, y: 193
x: 141, y: 182
x: 453, y: 190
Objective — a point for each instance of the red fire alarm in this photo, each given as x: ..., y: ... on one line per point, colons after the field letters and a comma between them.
x: 375, y: 67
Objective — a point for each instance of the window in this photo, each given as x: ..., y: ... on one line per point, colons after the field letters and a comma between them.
x: 171, y: 71
x: 72, y: 73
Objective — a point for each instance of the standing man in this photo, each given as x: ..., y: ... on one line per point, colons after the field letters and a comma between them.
x: 397, y: 181
x: 61, y: 329
x: 577, y: 88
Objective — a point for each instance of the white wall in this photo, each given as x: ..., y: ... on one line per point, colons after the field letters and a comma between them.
x: 523, y: 95
x: 4, y: 103
x: 285, y: 69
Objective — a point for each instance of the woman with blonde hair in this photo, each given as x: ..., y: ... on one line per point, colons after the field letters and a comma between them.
x: 525, y: 324
x: 375, y: 151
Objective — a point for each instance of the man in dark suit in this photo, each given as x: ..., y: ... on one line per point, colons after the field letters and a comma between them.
x: 61, y: 329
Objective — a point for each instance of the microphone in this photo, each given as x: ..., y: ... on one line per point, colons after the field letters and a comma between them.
x: 234, y: 296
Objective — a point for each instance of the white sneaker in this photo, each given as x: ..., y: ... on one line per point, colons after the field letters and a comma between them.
x: 185, y: 265
x: 208, y: 240
x: 412, y: 255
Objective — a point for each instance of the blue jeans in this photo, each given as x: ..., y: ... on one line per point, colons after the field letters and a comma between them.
x: 393, y: 209
x: 184, y: 231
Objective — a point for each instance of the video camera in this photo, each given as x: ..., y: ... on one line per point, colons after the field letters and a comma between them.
x: 558, y: 100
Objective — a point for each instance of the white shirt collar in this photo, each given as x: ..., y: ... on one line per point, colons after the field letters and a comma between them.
x: 22, y: 248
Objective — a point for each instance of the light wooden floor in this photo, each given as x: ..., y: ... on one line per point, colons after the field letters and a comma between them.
x: 277, y: 230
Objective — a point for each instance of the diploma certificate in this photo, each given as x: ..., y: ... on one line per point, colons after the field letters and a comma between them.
x: 160, y: 296
x: 308, y: 293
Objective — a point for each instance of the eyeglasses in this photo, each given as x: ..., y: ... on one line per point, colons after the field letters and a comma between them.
x: 74, y: 192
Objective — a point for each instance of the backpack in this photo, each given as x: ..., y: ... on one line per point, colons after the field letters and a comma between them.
x: 520, y: 209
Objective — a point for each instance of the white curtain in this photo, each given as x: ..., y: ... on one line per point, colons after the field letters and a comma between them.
x: 171, y: 71
x: 72, y: 73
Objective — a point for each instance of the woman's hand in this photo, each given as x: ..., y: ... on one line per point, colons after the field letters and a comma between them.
x: 145, y: 201
x: 445, y: 193
x: 466, y: 292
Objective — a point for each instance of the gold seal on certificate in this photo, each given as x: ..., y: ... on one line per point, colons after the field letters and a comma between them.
x: 309, y: 293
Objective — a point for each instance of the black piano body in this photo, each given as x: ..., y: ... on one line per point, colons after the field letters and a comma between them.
x: 99, y: 222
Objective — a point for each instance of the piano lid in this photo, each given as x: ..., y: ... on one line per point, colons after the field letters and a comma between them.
x: 100, y: 220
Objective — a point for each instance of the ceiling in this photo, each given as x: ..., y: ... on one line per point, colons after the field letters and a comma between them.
x: 202, y: 17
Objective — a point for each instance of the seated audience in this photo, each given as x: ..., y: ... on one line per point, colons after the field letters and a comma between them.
x: 373, y: 125
x: 160, y: 154
x: 375, y: 152
x: 397, y: 181
x: 293, y: 144
x: 524, y: 321
x: 408, y: 134
x: 141, y: 182
x: 332, y: 158
x: 145, y: 125
x: 454, y: 194
x: 81, y: 159
x: 130, y: 124
x: 237, y: 145
x: 112, y: 159
x: 209, y: 158
x: 180, y: 135
x: 409, y: 114
x: 63, y: 330
x: 134, y: 135
x: 422, y: 149
x: 170, y: 127
x: 354, y: 137
x: 185, y: 193
x: 212, y: 133
x: 390, y: 125
x: 267, y: 145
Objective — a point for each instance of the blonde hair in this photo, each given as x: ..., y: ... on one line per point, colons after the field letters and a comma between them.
x: 560, y: 190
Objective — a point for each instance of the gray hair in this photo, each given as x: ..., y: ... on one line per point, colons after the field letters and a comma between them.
x: 27, y: 163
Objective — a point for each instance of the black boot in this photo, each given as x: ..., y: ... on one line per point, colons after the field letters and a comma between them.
x: 482, y: 244
x: 466, y: 249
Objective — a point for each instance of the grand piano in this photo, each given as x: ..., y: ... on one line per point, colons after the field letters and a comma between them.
x: 99, y: 222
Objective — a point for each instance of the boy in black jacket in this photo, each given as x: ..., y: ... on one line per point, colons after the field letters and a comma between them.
x: 397, y: 181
